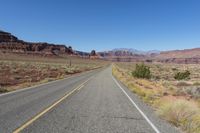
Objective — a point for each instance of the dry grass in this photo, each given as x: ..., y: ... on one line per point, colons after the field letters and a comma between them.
x: 163, y: 74
x: 181, y: 113
x: 175, y: 101
x: 162, y: 71
x: 23, y: 71
x: 148, y: 91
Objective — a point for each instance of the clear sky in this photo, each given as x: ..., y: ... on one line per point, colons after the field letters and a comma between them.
x: 105, y: 24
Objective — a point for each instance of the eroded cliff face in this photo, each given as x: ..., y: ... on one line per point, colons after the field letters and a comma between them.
x: 10, y: 43
x: 7, y: 37
x: 186, y: 56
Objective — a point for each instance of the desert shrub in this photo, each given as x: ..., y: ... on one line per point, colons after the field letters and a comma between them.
x: 194, y: 91
x: 174, y: 69
x: 182, y: 75
x: 142, y: 71
x: 182, y: 114
x: 182, y: 83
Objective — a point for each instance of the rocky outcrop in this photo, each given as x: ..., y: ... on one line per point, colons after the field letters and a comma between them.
x: 7, y: 37
x: 10, y: 43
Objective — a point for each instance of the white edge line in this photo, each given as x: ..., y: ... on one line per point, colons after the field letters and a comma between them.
x: 142, y: 113
x: 34, y: 86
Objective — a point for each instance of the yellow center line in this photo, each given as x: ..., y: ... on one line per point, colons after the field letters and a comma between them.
x: 80, y: 87
x: 26, y: 124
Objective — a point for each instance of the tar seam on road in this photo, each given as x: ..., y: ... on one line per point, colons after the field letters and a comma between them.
x: 142, y: 113
x: 26, y: 124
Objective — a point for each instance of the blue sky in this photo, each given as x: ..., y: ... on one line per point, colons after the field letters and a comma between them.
x: 105, y: 24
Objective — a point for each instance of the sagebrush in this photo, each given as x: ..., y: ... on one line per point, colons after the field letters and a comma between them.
x: 142, y: 71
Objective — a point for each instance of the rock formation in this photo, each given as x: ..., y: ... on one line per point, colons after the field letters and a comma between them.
x: 10, y: 43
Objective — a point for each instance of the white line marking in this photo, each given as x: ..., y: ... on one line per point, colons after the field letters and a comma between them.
x: 142, y: 113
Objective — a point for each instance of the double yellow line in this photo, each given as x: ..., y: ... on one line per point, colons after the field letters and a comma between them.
x: 26, y: 124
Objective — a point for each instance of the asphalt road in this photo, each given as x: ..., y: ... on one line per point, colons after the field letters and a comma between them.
x: 92, y: 102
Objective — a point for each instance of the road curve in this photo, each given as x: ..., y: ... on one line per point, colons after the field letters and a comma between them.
x: 100, y: 105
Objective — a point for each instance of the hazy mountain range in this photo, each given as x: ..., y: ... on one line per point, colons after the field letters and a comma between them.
x: 135, y: 51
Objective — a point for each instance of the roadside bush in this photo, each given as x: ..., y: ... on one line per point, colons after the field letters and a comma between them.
x: 182, y: 75
x: 142, y: 71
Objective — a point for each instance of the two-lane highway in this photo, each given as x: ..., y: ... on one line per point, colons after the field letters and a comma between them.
x: 99, y: 105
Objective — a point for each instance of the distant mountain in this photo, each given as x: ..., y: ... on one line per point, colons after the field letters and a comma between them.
x: 174, y: 56
x: 122, y: 54
x: 186, y: 53
x: 128, y: 52
x: 81, y: 53
x: 135, y: 51
x: 179, y: 56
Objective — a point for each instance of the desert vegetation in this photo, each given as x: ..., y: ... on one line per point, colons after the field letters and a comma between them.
x: 141, y: 71
x: 23, y: 71
x: 173, y: 90
x: 182, y: 75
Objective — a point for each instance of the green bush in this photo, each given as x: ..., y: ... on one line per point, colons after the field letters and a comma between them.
x: 142, y: 71
x: 182, y: 75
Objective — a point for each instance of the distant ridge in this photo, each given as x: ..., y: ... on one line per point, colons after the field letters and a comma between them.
x: 135, y: 51
x: 11, y: 44
x: 174, y: 56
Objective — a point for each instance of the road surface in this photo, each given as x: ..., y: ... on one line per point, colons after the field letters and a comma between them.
x: 92, y: 102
